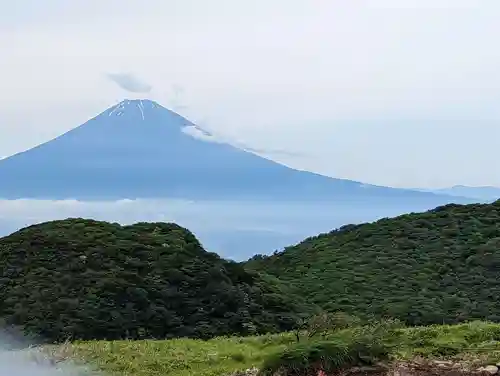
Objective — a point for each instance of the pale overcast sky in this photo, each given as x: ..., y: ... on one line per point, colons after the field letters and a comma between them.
x: 401, y: 93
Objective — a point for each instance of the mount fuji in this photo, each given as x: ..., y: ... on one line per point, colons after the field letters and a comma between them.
x: 139, y: 149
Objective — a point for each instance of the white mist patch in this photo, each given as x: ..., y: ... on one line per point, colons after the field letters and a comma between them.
x: 33, y: 361
x: 200, y: 134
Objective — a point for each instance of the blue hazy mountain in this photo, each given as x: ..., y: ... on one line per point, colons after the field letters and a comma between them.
x: 139, y: 149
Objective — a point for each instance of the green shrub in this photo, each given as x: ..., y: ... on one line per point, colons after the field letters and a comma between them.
x: 328, y: 355
x: 238, y: 357
x: 478, y: 331
x: 446, y: 348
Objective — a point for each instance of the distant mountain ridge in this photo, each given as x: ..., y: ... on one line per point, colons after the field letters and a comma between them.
x: 485, y: 193
x: 139, y: 149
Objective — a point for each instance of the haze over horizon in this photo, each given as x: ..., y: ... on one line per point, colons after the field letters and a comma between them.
x: 374, y: 91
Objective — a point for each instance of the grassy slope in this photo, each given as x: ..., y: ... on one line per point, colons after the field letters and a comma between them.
x: 180, y: 357
x: 422, y: 268
x: 220, y: 356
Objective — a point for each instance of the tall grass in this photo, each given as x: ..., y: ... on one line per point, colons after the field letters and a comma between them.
x: 358, y: 346
x: 471, y: 342
x: 180, y: 357
x: 468, y: 340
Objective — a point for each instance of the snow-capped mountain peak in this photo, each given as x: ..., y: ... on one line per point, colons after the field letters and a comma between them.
x: 146, y: 109
x: 138, y: 105
x: 140, y: 149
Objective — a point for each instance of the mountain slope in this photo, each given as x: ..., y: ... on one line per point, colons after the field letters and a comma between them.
x: 86, y: 279
x: 139, y: 149
x: 433, y: 267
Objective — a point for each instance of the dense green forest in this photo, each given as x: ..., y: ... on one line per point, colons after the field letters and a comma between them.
x: 441, y: 266
x: 85, y: 279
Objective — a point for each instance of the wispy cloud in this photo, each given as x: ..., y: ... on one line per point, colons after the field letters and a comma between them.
x: 129, y: 82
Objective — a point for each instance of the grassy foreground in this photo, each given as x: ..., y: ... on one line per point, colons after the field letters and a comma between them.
x: 477, y: 342
x: 180, y: 357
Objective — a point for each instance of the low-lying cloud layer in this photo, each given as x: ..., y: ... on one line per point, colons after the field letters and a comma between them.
x: 235, y: 230
x: 207, y: 215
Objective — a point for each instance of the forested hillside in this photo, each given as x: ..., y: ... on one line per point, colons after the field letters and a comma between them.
x: 84, y: 279
x: 433, y: 267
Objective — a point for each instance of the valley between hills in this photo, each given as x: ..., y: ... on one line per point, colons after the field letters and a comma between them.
x: 418, y: 291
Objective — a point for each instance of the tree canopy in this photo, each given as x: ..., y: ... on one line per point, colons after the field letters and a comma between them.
x: 85, y: 279
x: 439, y: 266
